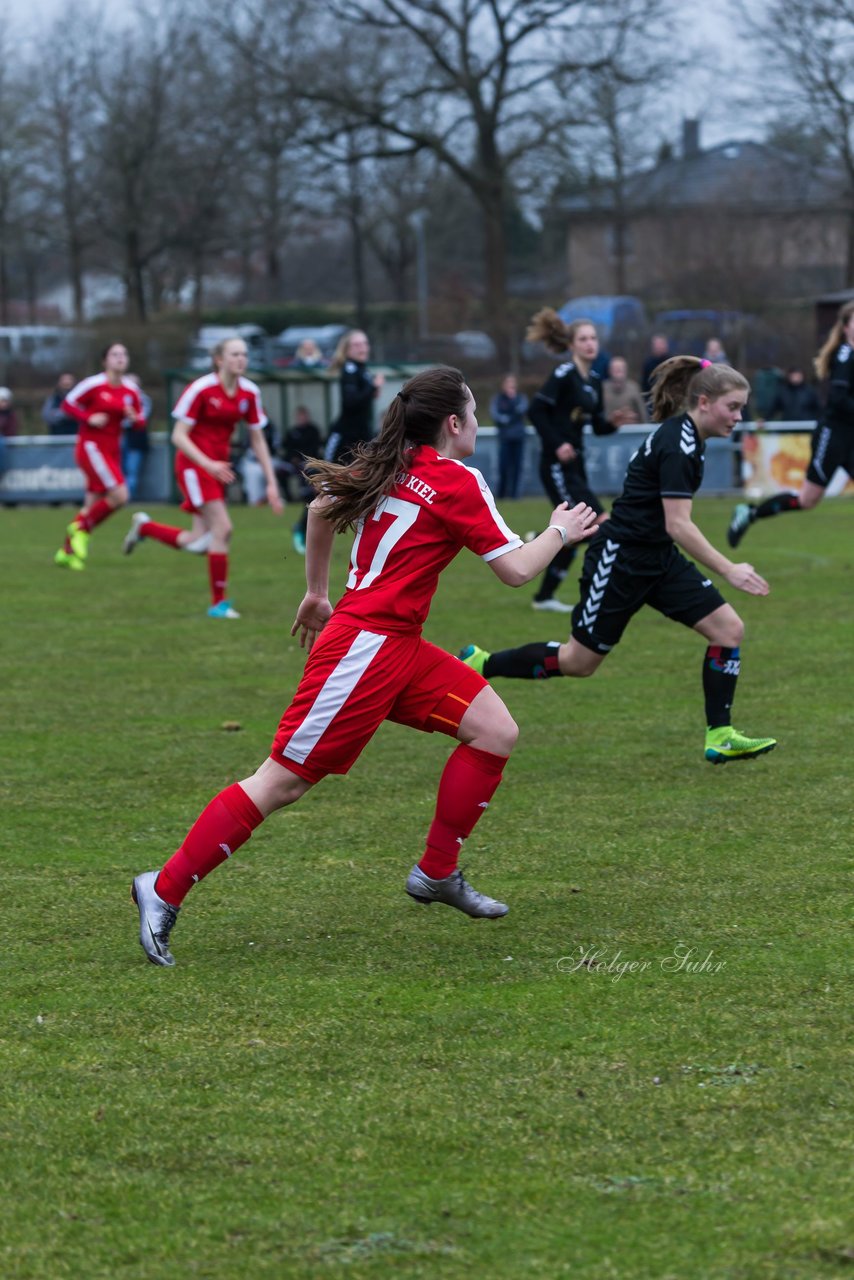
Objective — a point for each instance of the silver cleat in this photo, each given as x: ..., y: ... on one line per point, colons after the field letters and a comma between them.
x: 133, y: 535
x: 156, y: 919
x: 454, y: 891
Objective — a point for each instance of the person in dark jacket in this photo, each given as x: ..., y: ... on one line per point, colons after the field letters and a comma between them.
x: 359, y: 389
x: 569, y: 400
x: 832, y: 439
x: 795, y: 400
x: 508, y: 410
x: 302, y: 441
x: 57, y: 422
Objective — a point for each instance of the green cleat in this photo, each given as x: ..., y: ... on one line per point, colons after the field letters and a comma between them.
x: 79, y: 540
x: 474, y: 657
x: 728, y: 744
x: 742, y: 518
x: 67, y: 560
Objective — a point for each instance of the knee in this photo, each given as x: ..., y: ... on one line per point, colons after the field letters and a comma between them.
x: 506, y: 735
x: 732, y: 632
x: 119, y: 496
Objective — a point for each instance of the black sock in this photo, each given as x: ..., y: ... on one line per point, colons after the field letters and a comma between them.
x: 720, y: 674
x: 536, y: 661
x: 555, y: 573
x: 775, y: 506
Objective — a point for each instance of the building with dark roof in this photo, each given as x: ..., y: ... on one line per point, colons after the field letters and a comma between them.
x: 741, y: 222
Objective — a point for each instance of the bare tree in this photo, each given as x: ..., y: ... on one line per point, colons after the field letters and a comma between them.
x: 811, y: 48
x: 480, y: 84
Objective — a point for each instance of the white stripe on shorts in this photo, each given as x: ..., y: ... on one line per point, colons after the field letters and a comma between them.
x: 194, y: 488
x: 99, y: 464
x: 337, y: 688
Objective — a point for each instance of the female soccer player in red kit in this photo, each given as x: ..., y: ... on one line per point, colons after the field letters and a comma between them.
x: 100, y: 404
x: 414, y: 506
x: 205, y: 416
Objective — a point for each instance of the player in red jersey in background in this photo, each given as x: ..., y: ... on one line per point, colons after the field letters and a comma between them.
x: 100, y: 404
x: 205, y: 416
x: 414, y: 506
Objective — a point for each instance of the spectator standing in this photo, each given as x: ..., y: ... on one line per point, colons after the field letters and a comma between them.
x: 55, y: 419
x: 796, y: 399
x: 621, y: 396
x: 508, y: 409
x: 302, y: 441
x: 309, y: 356
x: 100, y: 405
x: 359, y: 389
x: 714, y: 352
x: 659, y: 350
x: 415, y: 506
x: 135, y: 441
x: 8, y: 425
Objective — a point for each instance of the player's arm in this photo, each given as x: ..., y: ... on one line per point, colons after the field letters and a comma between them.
x: 316, y: 610
x: 681, y: 528
x: 522, y: 564
x: 182, y: 441
x: 262, y: 453
x: 75, y: 408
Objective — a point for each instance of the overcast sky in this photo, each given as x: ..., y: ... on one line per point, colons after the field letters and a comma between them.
x: 724, y: 64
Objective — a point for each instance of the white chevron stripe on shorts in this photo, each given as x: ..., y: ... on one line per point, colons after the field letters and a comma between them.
x: 596, y: 591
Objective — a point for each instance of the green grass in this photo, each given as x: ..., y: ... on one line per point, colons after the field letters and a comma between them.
x: 336, y: 1082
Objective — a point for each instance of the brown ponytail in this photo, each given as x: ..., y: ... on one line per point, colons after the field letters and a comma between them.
x: 415, y: 416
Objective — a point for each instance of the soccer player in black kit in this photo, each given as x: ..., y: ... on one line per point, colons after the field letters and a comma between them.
x: 833, y: 437
x: 634, y: 558
x: 570, y: 398
x: 355, y: 423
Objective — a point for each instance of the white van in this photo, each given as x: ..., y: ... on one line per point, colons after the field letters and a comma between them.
x: 257, y: 344
x: 49, y: 348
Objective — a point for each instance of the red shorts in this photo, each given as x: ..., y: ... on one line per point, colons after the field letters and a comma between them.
x: 196, y: 485
x: 354, y: 680
x: 100, y: 463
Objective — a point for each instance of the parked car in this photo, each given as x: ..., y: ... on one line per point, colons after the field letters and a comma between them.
x: 327, y: 337
x: 747, y: 340
x: 621, y: 320
x: 258, y: 344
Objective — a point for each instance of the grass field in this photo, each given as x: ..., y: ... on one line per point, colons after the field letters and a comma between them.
x: 334, y: 1081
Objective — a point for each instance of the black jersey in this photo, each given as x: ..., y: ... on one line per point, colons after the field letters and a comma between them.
x: 356, y: 419
x: 564, y: 404
x: 839, y: 410
x: 669, y: 464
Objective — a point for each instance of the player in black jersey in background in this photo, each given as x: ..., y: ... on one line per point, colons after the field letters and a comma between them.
x: 355, y: 423
x: 833, y: 437
x: 570, y: 398
x: 633, y: 559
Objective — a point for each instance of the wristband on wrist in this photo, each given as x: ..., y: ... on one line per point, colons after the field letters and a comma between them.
x: 561, y: 531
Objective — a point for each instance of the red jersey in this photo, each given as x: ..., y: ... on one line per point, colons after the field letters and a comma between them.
x: 213, y: 414
x: 98, y: 395
x: 437, y: 507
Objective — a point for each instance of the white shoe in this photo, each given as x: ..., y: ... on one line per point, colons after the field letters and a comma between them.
x: 133, y: 535
x: 551, y: 606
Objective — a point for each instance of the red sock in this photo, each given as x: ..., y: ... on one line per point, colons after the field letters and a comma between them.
x: 160, y: 532
x: 468, y: 783
x: 220, y: 829
x: 218, y: 573
x: 90, y: 519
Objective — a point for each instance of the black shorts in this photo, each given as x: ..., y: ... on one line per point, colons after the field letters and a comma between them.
x: 616, y: 580
x: 568, y: 483
x: 831, y: 448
